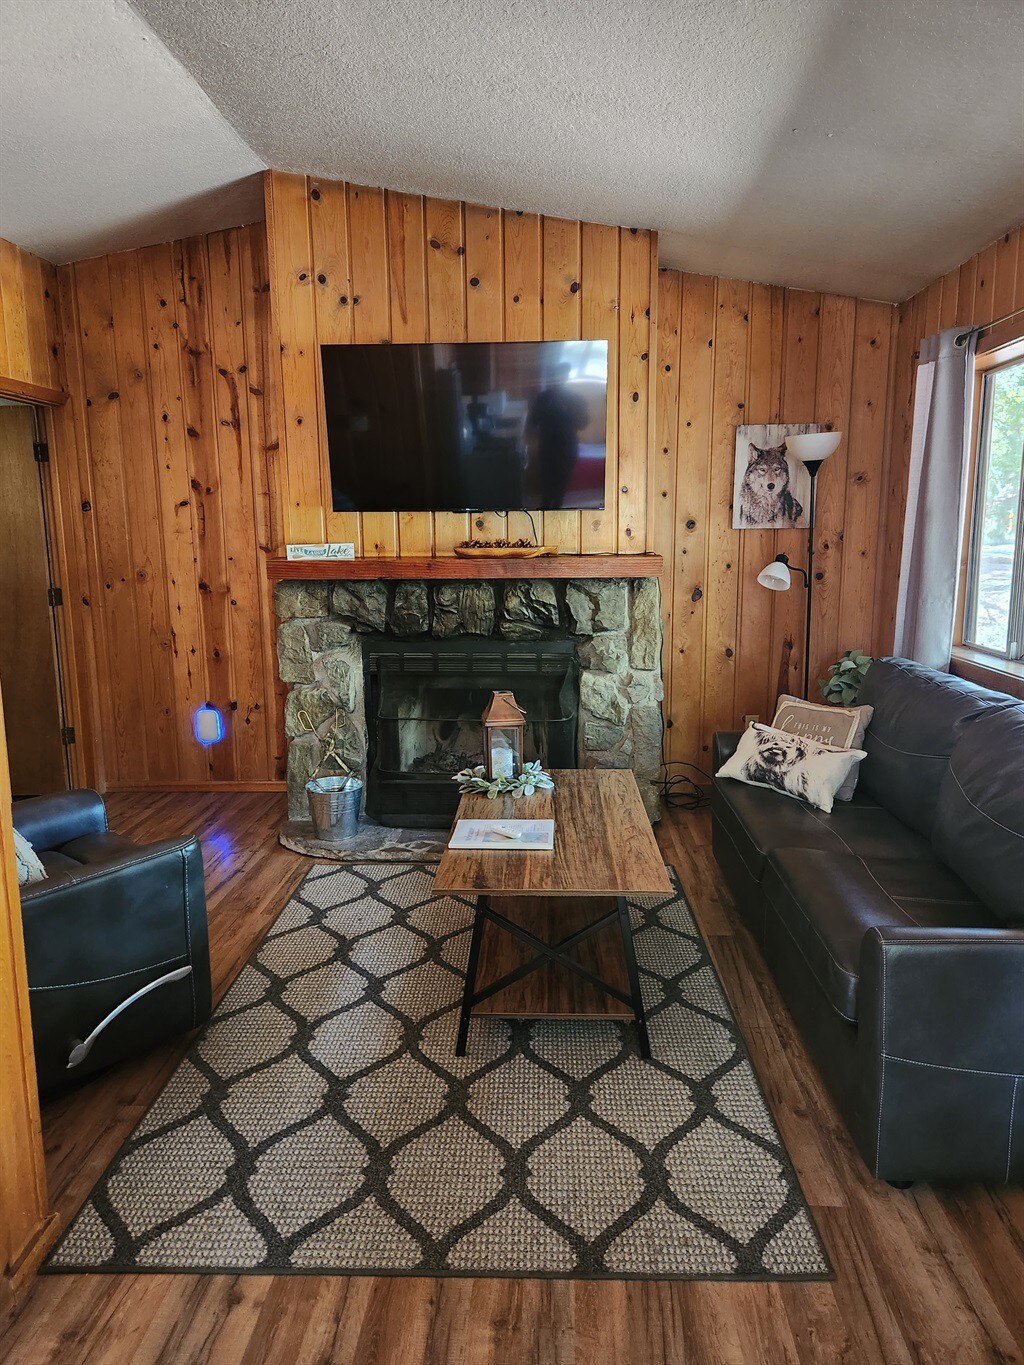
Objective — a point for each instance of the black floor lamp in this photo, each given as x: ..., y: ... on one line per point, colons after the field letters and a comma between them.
x: 812, y: 449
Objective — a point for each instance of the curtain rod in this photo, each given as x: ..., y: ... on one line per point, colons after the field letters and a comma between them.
x: 985, y: 326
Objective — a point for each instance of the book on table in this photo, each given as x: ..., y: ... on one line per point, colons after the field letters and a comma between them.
x: 509, y: 836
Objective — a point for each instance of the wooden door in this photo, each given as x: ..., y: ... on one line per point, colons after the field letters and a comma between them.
x: 28, y: 664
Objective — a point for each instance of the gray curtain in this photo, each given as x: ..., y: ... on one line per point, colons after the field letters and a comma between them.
x: 937, y: 487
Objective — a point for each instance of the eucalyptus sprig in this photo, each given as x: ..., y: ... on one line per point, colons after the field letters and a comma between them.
x: 532, y: 778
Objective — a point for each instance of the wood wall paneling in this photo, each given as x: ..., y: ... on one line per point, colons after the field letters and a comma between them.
x: 867, y: 447
x: 684, y: 671
x: 385, y: 266
x: 755, y: 673
x: 731, y: 353
x: 167, y: 467
x: 174, y: 509
x: 799, y: 382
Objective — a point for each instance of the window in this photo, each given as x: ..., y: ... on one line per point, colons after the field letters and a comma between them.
x: 994, y: 604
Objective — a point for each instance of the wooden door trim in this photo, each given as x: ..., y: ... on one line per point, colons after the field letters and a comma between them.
x: 29, y: 1226
x: 26, y: 392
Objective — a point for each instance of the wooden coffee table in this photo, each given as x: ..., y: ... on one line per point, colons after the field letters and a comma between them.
x: 604, y: 850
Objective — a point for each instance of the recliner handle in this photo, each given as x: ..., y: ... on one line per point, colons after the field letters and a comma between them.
x: 81, y: 1050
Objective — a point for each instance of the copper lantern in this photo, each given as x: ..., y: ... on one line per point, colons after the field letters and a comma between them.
x: 504, y: 727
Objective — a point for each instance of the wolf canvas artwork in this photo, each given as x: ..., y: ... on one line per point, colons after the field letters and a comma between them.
x: 771, y: 489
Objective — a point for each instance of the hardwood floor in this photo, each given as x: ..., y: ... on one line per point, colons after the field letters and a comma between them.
x: 921, y: 1276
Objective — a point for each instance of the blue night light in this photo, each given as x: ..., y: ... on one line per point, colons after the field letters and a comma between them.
x: 208, y: 725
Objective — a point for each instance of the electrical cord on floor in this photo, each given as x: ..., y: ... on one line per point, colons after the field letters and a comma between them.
x: 679, y: 791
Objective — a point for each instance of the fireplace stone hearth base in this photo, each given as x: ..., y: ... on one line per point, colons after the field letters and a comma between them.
x: 372, y: 844
x: 614, y: 623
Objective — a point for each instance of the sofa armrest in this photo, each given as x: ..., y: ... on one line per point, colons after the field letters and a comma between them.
x: 142, y: 909
x: 724, y: 746
x: 96, y: 939
x: 942, y: 1011
x: 947, y: 997
x: 49, y: 821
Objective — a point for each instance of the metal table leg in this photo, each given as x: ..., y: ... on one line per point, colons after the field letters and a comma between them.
x: 634, y: 977
x: 483, y: 904
x: 552, y: 953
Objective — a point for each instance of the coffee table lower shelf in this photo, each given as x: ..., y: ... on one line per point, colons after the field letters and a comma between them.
x: 554, y: 954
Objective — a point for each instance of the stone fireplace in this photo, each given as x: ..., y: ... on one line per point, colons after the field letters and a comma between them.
x: 401, y: 671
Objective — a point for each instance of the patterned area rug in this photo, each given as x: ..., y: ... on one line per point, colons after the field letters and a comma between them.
x: 322, y: 1123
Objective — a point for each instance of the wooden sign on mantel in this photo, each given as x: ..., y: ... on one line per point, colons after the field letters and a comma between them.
x: 336, y: 549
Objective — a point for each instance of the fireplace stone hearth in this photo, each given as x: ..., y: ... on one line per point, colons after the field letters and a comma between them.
x: 613, y: 624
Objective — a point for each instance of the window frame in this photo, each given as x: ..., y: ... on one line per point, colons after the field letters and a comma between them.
x: 988, y: 363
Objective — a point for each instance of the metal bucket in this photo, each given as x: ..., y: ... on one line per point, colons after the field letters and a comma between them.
x: 334, y: 807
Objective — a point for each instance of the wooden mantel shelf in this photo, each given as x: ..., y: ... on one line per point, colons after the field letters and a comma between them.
x: 449, y: 567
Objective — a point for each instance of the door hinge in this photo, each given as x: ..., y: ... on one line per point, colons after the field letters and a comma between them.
x: 67, y: 734
x: 55, y: 597
x: 41, y: 451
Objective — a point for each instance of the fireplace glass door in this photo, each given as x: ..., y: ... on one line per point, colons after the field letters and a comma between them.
x: 425, y: 701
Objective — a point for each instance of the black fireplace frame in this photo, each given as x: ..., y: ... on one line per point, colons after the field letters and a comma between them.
x: 428, y: 800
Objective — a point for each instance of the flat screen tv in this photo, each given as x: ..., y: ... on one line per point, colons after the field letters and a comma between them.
x: 500, y: 425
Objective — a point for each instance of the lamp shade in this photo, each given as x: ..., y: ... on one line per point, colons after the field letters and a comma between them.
x: 776, y: 576
x: 814, y: 445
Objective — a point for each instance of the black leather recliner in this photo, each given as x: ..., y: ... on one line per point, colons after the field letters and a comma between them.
x: 895, y: 925
x: 115, y: 938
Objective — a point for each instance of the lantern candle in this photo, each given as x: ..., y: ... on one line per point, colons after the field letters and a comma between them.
x: 504, y: 728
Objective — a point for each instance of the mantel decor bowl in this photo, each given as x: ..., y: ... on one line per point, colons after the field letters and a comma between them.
x: 504, y: 551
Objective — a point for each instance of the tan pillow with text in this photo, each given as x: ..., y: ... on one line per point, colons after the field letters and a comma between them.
x: 837, y: 727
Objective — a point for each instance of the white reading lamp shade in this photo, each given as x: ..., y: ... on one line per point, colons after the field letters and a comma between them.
x: 776, y: 576
x: 814, y: 445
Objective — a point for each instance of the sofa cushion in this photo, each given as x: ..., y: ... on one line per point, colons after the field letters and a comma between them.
x: 825, y: 903
x: 55, y: 863
x: 759, y: 821
x: 979, y: 823
x: 919, y: 717
x: 99, y: 848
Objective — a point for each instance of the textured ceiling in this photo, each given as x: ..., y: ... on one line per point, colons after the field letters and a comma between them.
x: 105, y: 140
x: 863, y: 147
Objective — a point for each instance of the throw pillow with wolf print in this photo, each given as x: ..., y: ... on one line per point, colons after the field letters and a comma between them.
x: 791, y: 765
x: 769, y: 491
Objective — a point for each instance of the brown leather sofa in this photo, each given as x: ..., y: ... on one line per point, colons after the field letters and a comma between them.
x: 895, y: 926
